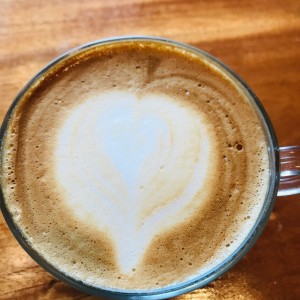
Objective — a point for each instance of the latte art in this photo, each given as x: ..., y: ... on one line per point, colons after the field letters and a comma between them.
x: 134, y: 165
x: 123, y: 160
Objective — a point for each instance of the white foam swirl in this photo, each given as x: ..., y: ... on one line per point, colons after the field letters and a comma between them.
x: 131, y: 167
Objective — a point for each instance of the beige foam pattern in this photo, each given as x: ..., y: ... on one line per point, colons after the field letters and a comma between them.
x: 209, y: 225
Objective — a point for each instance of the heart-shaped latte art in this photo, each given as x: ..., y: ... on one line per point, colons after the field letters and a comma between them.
x: 132, y: 166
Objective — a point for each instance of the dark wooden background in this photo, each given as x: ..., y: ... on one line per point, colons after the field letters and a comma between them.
x: 259, y: 39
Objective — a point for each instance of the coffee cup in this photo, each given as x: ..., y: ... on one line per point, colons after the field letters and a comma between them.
x: 140, y: 168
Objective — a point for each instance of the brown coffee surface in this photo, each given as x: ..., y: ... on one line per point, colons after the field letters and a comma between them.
x: 183, y: 232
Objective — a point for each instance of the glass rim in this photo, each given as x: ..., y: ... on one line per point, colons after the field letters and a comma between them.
x: 226, y: 264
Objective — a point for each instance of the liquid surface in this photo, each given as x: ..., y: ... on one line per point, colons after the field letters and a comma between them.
x: 135, y: 166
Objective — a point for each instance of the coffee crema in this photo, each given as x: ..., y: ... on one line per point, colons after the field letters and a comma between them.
x: 134, y: 165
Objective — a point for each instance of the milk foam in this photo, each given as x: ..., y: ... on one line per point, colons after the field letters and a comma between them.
x: 142, y: 139
x: 132, y: 165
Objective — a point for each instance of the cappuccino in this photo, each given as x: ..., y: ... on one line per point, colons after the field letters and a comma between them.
x: 134, y: 165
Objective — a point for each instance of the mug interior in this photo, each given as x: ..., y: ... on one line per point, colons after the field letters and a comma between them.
x: 229, y: 261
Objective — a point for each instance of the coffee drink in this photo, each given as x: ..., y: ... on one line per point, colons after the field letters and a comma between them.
x: 135, y: 165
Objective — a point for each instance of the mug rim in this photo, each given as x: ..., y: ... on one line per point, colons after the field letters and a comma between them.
x: 197, y: 281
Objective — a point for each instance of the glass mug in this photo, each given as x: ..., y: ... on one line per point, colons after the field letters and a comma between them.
x: 284, y: 180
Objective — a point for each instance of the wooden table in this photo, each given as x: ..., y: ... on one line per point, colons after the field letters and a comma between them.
x: 260, y: 40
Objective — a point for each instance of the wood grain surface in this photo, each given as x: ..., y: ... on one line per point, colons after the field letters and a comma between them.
x: 258, y: 39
